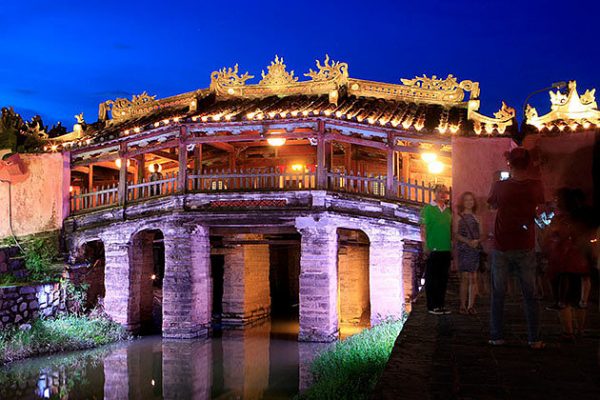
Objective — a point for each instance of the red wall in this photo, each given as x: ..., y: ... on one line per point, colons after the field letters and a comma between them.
x: 474, y: 163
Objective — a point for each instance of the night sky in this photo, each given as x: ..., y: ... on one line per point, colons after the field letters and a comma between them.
x: 61, y: 58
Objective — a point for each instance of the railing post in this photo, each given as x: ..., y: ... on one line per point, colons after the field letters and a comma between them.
x: 321, y: 157
x: 123, y: 174
x: 182, y: 176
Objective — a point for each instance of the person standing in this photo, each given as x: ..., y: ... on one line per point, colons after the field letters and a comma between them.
x: 468, y: 251
x: 436, y: 222
x: 517, y: 200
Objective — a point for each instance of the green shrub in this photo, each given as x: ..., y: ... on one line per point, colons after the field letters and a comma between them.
x: 351, y: 369
x: 8, y: 279
x: 64, y: 333
x: 39, y: 257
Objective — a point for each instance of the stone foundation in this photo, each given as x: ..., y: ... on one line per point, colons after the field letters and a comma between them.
x: 11, y: 262
x: 23, y: 304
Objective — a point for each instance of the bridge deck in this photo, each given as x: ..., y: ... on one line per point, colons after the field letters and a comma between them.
x: 447, y: 357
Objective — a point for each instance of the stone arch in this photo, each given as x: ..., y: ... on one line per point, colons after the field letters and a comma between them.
x: 146, y: 272
x: 354, y: 303
x: 87, y: 266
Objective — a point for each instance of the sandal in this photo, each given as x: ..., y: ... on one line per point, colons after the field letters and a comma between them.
x: 472, y: 311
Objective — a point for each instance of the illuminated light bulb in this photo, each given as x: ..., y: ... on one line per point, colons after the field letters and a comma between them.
x: 260, y: 116
x: 354, y: 86
x: 45, y: 148
x: 435, y: 167
x: 283, y: 114
x: 428, y: 157
x: 152, y: 382
x: 118, y: 163
x: 489, y: 128
x: 294, y: 113
x: 272, y: 114
x: 561, y: 127
x: 152, y: 170
x: 454, y: 128
x: 137, y: 129
x: 228, y: 117
x: 165, y: 121
x: 305, y: 113
x: 194, y: 119
x: 230, y: 91
x: 126, y: 132
x: 54, y: 147
x: 573, y: 127
x: 250, y: 115
x: 371, y: 120
x: 176, y: 119
x: 156, y: 124
x: 297, y: 167
x: 216, y: 117
x: 338, y: 114
x: 153, y: 277
x: 328, y: 112
x: 71, y: 189
x: 204, y: 118
x: 276, y: 141
x: 586, y: 125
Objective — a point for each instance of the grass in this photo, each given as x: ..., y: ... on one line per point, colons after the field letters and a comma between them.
x: 351, y: 369
x: 65, y: 333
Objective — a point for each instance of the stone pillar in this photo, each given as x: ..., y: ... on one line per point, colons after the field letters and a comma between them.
x: 116, y: 375
x: 246, y: 289
x: 141, y: 261
x: 187, y: 284
x: 118, y: 283
x: 386, y: 277
x: 318, y: 280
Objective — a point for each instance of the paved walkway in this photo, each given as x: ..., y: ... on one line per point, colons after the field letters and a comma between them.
x: 447, y: 357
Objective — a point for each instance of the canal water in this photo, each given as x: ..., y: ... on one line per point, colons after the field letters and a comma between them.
x: 264, y: 361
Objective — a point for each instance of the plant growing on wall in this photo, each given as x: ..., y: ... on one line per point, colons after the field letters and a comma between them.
x: 39, y: 258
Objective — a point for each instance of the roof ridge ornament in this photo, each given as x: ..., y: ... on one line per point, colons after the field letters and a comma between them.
x: 225, y: 78
x: 566, y: 110
x: 328, y: 71
x: 122, y: 108
x: 277, y: 74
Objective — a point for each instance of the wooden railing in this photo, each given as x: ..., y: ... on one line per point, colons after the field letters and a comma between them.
x: 253, y: 180
x: 373, y: 185
x: 148, y: 188
x: 250, y: 180
x: 102, y: 196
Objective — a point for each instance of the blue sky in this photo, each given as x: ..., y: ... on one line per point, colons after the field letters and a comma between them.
x: 61, y: 58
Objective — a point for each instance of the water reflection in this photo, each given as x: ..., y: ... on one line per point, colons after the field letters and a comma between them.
x: 264, y: 361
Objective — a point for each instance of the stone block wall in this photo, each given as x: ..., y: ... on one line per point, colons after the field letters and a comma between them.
x: 11, y: 262
x: 412, y: 272
x: 353, y: 272
x: 23, y: 304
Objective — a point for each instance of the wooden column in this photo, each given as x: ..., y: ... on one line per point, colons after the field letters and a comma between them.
x: 321, y: 157
x: 198, y: 158
x: 182, y: 177
x: 406, y: 167
x: 141, y: 168
x: 123, y: 174
x: 348, y: 157
x: 90, y: 181
x: 390, y: 191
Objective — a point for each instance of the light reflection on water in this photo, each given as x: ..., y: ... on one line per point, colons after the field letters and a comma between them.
x: 262, y: 361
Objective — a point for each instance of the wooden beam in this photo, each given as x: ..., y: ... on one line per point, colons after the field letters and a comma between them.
x: 338, y: 137
x: 222, y: 146
x: 166, y: 154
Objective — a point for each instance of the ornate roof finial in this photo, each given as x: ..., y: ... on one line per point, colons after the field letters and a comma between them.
x: 277, y: 74
x: 328, y: 71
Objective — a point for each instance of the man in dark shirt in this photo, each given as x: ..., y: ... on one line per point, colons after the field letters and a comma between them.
x: 517, y: 200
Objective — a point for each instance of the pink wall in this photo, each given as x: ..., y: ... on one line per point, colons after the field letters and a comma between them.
x: 564, y: 161
x: 41, y: 201
x: 474, y: 162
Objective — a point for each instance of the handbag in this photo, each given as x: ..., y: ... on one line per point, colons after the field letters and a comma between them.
x: 482, y: 254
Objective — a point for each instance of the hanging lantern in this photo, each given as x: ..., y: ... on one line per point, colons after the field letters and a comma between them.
x: 436, y: 167
x: 275, y: 141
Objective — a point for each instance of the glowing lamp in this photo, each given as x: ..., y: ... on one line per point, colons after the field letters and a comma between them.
x: 435, y: 167
x: 71, y: 189
x: 428, y: 157
x: 152, y: 170
x: 153, y: 277
x: 276, y: 141
x: 297, y: 167
x: 118, y: 163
